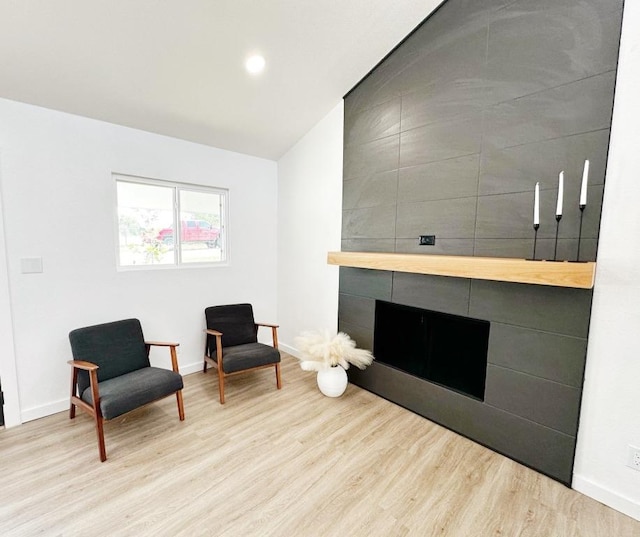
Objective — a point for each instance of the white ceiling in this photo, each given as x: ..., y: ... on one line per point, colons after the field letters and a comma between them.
x: 175, y: 67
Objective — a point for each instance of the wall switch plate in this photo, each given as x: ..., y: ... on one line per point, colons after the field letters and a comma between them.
x: 31, y: 265
x: 427, y: 240
x: 633, y: 458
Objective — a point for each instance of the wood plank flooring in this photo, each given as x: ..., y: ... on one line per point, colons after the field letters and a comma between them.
x: 278, y: 463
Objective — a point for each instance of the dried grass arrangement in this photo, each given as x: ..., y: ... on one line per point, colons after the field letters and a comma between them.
x: 321, y: 350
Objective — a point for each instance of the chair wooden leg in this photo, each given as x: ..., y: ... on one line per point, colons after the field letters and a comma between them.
x: 180, y: 405
x: 221, y: 385
x: 204, y: 367
x: 100, y: 432
x: 74, y: 380
x: 278, y: 378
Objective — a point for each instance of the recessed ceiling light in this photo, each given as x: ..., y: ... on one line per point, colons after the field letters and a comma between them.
x: 255, y: 64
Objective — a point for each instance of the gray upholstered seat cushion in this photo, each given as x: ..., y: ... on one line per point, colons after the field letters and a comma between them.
x: 131, y: 390
x: 247, y: 356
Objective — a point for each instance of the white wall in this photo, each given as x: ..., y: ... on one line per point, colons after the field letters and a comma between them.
x: 309, y: 226
x: 610, y: 418
x: 58, y: 200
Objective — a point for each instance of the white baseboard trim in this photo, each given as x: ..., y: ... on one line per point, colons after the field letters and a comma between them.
x: 191, y: 368
x: 289, y: 349
x: 606, y: 496
x: 38, y: 412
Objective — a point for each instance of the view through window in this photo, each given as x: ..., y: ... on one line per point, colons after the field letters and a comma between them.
x: 168, y: 224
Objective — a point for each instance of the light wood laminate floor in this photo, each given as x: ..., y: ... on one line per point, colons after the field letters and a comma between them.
x: 278, y: 463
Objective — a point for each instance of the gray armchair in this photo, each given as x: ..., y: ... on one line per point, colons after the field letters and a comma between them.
x: 232, y: 343
x: 111, y: 373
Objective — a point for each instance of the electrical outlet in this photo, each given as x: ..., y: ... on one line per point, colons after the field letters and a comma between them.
x: 633, y: 459
x: 427, y: 240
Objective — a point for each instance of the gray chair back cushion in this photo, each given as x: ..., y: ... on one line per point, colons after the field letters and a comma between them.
x: 236, y: 323
x: 117, y: 348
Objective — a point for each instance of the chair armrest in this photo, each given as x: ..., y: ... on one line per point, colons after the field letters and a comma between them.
x: 162, y: 343
x: 213, y: 332
x: 172, y: 348
x: 85, y: 366
x: 274, y: 332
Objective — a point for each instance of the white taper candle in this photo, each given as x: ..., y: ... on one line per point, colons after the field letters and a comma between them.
x: 560, y: 193
x: 536, y: 205
x: 585, y: 180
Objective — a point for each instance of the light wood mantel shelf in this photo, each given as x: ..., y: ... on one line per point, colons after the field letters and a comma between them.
x: 559, y: 274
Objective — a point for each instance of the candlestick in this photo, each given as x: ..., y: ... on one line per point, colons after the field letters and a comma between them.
x: 560, y: 194
x: 582, y: 207
x: 583, y: 188
x: 536, y: 206
x: 555, y: 248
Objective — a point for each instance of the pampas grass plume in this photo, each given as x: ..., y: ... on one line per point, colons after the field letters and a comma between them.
x: 320, y: 350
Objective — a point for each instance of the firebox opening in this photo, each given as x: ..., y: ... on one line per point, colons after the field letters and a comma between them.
x: 446, y: 349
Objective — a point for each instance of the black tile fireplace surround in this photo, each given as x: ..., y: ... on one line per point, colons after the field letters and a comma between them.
x: 448, y: 136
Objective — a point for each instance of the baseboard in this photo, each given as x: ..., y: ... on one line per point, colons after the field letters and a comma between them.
x: 289, y: 349
x: 191, y: 368
x: 606, y: 496
x: 38, y: 412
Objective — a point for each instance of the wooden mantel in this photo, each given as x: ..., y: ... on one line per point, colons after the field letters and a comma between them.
x: 559, y: 274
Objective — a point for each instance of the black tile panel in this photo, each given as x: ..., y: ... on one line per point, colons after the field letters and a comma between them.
x: 444, y: 179
x: 368, y: 245
x: 518, y: 168
x: 371, y: 157
x: 546, y: 402
x: 369, y: 223
x: 538, y: 45
x: 436, y: 293
x: 357, y: 310
x: 567, y: 249
x: 574, y: 108
x: 366, y: 282
x: 442, y: 246
x: 559, y: 310
x: 362, y: 336
x: 379, y: 121
x: 447, y: 219
x: 371, y: 190
x: 542, y: 354
x: 443, y: 140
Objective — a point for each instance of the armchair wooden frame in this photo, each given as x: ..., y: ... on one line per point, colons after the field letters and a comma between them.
x: 217, y: 363
x: 94, y: 409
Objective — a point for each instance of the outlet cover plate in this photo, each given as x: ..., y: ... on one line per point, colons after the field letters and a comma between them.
x: 427, y: 240
x: 633, y: 458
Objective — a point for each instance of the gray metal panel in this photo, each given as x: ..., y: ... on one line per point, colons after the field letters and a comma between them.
x: 437, y: 293
x: 543, y: 401
x: 366, y: 282
x: 542, y: 354
x: 451, y: 219
x: 553, y: 309
x: 445, y: 179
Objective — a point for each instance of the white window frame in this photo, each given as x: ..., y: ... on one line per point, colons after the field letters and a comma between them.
x: 177, y: 188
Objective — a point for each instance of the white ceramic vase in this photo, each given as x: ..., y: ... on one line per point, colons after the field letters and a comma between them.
x: 332, y: 381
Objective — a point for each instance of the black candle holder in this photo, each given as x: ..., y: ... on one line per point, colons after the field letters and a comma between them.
x: 535, y: 241
x: 582, y: 208
x: 555, y: 246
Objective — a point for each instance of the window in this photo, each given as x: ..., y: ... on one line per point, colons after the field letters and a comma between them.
x: 169, y: 224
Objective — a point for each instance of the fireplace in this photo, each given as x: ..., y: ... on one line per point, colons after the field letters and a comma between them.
x: 448, y: 350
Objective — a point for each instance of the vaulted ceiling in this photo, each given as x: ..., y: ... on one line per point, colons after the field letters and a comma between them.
x: 176, y: 67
